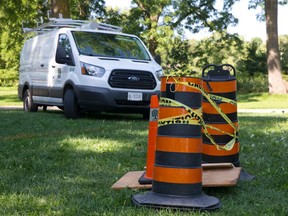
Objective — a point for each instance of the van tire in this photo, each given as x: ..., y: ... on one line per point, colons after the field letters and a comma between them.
x: 28, y: 103
x: 146, y: 115
x: 71, y: 108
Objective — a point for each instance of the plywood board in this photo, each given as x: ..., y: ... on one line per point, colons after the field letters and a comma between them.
x: 221, y: 177
x: 130, y: 180
x: 211, y: 177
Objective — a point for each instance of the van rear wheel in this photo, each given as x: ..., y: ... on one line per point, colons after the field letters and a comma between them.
x: 71, y: 108
x: 28, y: 103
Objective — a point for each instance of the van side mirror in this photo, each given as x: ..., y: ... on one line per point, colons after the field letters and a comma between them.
x: 157, y: 58
x: 62, y: 57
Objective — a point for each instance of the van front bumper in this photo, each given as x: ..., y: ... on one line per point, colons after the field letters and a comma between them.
x: 103, y: 99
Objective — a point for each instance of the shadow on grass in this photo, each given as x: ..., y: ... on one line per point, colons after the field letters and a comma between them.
x: 252, y: 97
x: 52, y: 164
x: 112, y: 116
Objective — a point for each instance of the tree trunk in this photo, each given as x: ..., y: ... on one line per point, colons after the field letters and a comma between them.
x: 276, y: 84
x: 60, y: 9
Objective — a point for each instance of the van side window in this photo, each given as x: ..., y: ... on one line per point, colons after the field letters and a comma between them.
x: 64, y: 52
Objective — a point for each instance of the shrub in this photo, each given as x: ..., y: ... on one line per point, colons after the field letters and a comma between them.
x: 8, y: 77
x: 252, y: 84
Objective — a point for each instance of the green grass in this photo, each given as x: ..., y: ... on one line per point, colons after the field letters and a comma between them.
x: 262, y: 101
x: 9, y: 97
x: 50, y: 165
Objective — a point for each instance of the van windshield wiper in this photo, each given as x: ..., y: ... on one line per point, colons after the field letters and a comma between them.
x: 87, y: 54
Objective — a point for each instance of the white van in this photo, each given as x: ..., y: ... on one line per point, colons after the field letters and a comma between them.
x: 80, y: 69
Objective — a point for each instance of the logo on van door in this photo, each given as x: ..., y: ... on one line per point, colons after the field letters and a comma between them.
x: 134, y: 78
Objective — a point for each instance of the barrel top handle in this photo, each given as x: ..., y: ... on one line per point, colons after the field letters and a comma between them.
x: 214, y: 71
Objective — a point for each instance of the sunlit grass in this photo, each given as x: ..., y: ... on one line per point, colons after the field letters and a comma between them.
x: 9, y: 97
x: 262, y: 101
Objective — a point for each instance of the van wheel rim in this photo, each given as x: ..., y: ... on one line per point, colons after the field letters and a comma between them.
x: 26, y: 104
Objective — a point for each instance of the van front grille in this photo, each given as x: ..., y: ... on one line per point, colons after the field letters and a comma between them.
x: 132, y: 79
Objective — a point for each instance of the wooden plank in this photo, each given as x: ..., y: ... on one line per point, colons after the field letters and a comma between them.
x: 221, y: 177
x: 216, y: 177
x: 130, y: 180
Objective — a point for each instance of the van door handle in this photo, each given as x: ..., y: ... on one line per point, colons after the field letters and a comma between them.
x: 42, y: 65
x: 53, y: 66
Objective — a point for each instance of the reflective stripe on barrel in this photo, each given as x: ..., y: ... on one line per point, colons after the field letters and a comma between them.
x: 177, y: 175
x: 219, y: 86
x: 177, y: 144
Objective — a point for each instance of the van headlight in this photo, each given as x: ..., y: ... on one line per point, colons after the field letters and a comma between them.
x: 92, y: 70
x: 159, y: 74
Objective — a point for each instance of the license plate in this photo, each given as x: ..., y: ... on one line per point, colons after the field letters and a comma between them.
x: 135, y: 96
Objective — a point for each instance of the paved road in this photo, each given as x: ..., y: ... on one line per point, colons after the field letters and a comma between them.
x: 262, y: 110
x: 239, y: 110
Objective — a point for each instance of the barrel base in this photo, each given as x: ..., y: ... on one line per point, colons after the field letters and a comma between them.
x: 144, y: 180
x: 202, y: 202
x: 244, y: 176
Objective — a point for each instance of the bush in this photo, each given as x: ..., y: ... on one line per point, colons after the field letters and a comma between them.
x: 8, y: 77
x: 252, y: 84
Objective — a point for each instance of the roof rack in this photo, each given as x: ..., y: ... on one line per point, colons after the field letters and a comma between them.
x: 56, y: 23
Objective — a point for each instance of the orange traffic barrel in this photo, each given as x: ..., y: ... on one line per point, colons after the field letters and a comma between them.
x: 177, y: 173
x: 219, y: 81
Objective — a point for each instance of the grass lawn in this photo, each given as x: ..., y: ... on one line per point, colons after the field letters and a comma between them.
x: 50, y: 165
x: 262, y: 101
x: 54, y: 166
x: 8, y: 97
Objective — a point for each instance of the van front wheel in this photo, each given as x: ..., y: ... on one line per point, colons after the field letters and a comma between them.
x: 71, y: 109
x: 28, y: 104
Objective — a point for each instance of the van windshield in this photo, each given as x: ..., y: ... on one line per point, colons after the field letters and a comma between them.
x: 110, y: 45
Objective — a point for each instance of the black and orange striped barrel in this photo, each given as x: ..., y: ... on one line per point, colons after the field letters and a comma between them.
x: 177, y: 169
x: 219, y: 81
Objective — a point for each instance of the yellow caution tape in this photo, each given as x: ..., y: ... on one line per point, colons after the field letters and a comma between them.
x: 170, y: 102
x: 210, y: 98
x: 222, y: 99
x: 181, y: 119
x: 226, y: 147
x: 193, y: 117
x: 206, y: 95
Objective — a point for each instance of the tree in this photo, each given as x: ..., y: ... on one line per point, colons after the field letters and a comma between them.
x: 254, y: 59
x: 115, y: 16
x: 156, y: 15
x: 284, y: 53
x: 14, y: 14
x: 220, y: 48
x: 85, y: 9
x: 60, y: 9
x: 276, y: 83
x: 78, y: 9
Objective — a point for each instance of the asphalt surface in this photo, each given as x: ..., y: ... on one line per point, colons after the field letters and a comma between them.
x: 239, y: 110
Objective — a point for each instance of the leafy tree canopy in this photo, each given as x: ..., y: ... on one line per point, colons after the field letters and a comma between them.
x: 193, y: 15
